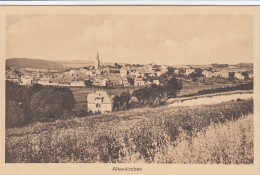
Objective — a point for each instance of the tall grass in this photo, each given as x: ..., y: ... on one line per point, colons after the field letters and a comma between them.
x: 159, y: 135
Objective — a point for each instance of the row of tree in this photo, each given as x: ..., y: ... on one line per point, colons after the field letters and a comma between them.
x: 152, y: 96
x: 25, y: 105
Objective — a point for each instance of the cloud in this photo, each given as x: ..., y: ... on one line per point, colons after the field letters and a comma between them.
x: 132, y: 38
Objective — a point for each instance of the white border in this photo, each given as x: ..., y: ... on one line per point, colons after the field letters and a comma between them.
x: 133, y: 2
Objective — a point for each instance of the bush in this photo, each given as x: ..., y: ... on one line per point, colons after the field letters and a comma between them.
x: 246, y: 86
x: 152, y: 96
x: 15, y: 115
x: 51, y: 103
x: 37, y: 103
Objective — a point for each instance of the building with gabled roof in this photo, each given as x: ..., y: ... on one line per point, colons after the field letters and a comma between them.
x: 99, y: 101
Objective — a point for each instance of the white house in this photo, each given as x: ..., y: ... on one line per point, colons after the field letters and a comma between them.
x: 250, y: 75
x: 239, y: 76
x: 44, y: 81
x: 157, y: 82
x: 164, y: 69
x: 189, y: 71
x: 176, y: 71
x: 101, y: 81
x: 124, y: 72
x: 26, y: 80
x: 208, y: 74
x: 99, y: 101
x: 80, y: 83
x: 139, y: 82
x: 224, y: 74
x: 125, y: 81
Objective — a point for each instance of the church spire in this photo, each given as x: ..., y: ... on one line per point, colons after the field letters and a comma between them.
x: 97, y: 62
x: 97, y: 56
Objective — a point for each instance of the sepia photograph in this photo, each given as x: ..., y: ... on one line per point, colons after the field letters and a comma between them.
x: 130, y: 85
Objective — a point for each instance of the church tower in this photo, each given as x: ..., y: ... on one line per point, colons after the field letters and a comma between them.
x: 97, y: 62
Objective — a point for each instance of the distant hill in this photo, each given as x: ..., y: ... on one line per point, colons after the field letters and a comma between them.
x: 81, y: 63
x: 34, y: 63
x: 244, y: 65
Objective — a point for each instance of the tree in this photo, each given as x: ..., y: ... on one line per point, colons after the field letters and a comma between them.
x: 170, y: 70
x: 88, y: 83
x: 172, y: 88
x: 51, y: 103
x: 7, y: 67
x: 245, y: 74
x: 15, y: 116
x: 122, y: 102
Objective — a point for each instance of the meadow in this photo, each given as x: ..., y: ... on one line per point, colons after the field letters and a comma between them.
x: 81, y: 93
x: 188, y: 89
x: 216, y: 134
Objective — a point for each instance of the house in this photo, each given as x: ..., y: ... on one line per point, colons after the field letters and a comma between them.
x: 158, y: 73
x: 104, y: 82
x: 148, y: 83
x: 73, y: 73
x: 250, y: 75
x: 26, y: 80
x: 15, y: 80
x: 65, y: 82
x: 157, y: 82
x: 124, y: 72
x: 189, y: 71
x: 164, y: 69
x: 239, y: 76
x: 139, y: 82
x: 125, y: 82
x: 44, y: 81
x: 11, y: 76
x: 208, y: 74
x: 224, y: 74
x: 79, y: 83
x: 114, y: 80
x: 176, y: 71
x: 101, y: 81
x: 99, y: 101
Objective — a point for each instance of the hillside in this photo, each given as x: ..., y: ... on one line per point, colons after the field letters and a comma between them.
x: 80, y: 63
x: 33, y: 63
x: 244, y: 65
x: 141, y: 135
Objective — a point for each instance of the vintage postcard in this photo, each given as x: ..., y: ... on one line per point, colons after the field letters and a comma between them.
x: 129, y: 89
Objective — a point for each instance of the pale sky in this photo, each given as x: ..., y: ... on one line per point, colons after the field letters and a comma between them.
x: 163, y: 39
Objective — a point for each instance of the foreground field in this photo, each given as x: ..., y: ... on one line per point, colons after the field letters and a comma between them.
x: 219, y: 133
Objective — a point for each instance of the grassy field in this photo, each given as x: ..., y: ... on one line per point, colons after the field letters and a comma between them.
x: 81, y: 93
x: 192, y: 89
x: 220, y: 133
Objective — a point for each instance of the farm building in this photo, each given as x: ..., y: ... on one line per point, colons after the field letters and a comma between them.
x: 99, y: 101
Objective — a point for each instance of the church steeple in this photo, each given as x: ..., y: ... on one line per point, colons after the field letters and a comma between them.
x: 97, y: 62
